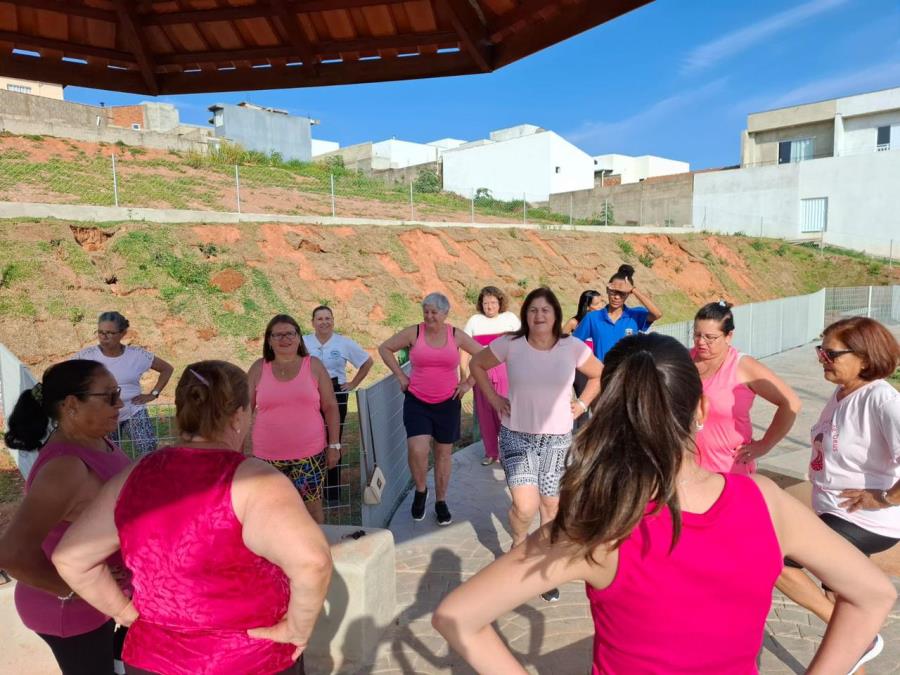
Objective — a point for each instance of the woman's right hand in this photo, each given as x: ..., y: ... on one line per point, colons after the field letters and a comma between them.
x: 403, y: 380
x: 282, y: 633
x: 500, y: 404
x: 127, y: 616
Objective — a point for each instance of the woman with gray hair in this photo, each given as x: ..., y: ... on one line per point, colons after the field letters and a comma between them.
x: 128, y: 363
x: 431, y: 410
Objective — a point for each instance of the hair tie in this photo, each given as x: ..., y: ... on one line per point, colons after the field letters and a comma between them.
x: 202, y: 379
x: 37, y: 393
x: 722, y: 303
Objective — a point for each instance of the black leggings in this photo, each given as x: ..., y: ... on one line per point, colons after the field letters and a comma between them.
x: 87, y: 654
x: 333, y: 476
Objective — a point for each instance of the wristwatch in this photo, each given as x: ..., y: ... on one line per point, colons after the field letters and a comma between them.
x: 155, y: 393
x: 334, y: 446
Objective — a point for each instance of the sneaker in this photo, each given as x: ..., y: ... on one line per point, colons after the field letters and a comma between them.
x: 418, y: 505
x: 442, y: 513
x: 873, y: 651
x: 551, y: 596
x: 487, y: 461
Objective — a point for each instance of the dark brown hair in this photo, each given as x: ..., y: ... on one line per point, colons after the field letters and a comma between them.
x: 322, y: 308
x: 207, y: 395
x: 268, y: 352
x: 870, y: 341
x: 495, y: 292
x: 631, y: 451
x: 717, y: 311
x: 624, y: 273
x: 550, y: 297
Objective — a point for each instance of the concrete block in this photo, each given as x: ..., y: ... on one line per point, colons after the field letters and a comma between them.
x: 360, y: 604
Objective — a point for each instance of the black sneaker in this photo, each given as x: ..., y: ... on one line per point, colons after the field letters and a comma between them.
x: 418, y: 505
x: 551, y: 596
x: 442, y: 513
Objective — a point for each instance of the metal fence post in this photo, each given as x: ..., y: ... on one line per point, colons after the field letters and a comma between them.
x: 606, y: 210
x: 760, y: 226
x: 412, y: 208
x: 891, y: 257
x: 332, y: 196
x: 524, y: 210
x: 237, y: 187
x: 571, y: 207
x: 869, y: 304
x: 473, y: 205
x: 115, y: 181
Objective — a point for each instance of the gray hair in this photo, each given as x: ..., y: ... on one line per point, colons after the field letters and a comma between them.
x: 437, y: 300
x: 120, y: 321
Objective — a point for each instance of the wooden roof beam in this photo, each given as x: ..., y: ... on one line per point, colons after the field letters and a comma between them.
x: 135, y: 38
x: 471, y: 29
x: 69, y: 8
x: 74, y: 74
x: 24, y: 41
x: 295, y: 35
x: 254, y: 11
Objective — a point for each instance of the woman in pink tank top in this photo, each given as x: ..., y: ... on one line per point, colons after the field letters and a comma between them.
x: 229, y: 570
x: 297, y: 426
x: 731, y: 381
x: 433, y: 393
x: 82, y: 399
x: 679, y: 562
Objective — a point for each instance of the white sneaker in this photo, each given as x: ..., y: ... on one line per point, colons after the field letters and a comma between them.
x: 871, y: 653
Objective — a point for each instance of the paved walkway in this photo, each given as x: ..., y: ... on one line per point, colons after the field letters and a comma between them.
x: 556, y: 638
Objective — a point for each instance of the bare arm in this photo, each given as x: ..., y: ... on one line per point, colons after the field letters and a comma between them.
x: 592, y: 369
x: 81, y: 555
x: 393, y: 344
x: 482, y: 362
x: 165, y: 370
x: 469, y: 346
x: 864, y: 595
x: 253, y: 376
x: 59, y: 493
x: 776, y: 391
x: 654, y: 312
x: 361, y: 375
x: 329, y: 406
x: 277, y: 527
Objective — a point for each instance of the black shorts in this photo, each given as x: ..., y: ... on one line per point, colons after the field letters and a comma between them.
x: 438, y: 420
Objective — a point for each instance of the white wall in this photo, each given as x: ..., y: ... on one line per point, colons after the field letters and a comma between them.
x: 320, y: 147
x: 394, y: 154
x: 863, y: 104
x: 635, y: 169
x: 576, y: 168
x: 861, y: 133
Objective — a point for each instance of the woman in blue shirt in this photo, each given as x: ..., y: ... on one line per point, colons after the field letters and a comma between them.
x: 607, y: 326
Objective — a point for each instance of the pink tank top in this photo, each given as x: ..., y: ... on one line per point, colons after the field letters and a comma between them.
x: 727, y: 425
x: 44, y: 612
x: 435, y: 371
x: 289, y: 423
x: 700, y: 608
x: 197, y: 587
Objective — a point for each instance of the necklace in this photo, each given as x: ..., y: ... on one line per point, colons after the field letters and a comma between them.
x: 283, y: 369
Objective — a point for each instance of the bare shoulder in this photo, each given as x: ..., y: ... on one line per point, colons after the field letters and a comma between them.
x: 255, y: 369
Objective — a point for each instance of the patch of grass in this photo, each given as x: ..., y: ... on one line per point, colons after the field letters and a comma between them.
x: 16, y: 271
x: 782, y: 250
x: 646, y: 260
x: 758, y: 245
x: 19, y: 305
x: 625, y: 246
x: 895, y: 379
x: 37, y: 138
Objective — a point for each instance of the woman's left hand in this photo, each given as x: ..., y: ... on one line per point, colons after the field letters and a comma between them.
x: 868, y: 500
x: 346, y: 387
x: 332, y: 457
x: 750, y: 452
x: 143, y: 399
x: 461, y: 389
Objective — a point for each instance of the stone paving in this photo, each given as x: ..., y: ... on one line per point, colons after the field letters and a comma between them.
x: 555, y: 638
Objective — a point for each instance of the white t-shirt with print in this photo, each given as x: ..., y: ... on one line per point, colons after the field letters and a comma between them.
x: 127, y: 369
x: 856, y: 445
x: 479, y: 324
x: 335, y: 353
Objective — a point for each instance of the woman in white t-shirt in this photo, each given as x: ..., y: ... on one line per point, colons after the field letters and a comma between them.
x: 490, y: 322
x: 855, y: 465
x: 536, y: 419
x: 128, y: 363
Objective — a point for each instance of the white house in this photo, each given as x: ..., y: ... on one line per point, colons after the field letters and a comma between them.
x: 320, y: 146
x: 519, y: 161
x: 635, y: 169
x: 828, y: 170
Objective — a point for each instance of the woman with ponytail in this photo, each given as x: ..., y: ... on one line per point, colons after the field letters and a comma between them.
x: 78, y: 402
x: 230, y: 571
x: 679, y: 563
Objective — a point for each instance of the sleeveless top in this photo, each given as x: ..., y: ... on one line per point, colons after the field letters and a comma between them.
x: 44, y: 612
x: 727, y: 425
x: 197, y: 587
x: 289, y: 423
x: 699, y: 608
x: 435, y: 371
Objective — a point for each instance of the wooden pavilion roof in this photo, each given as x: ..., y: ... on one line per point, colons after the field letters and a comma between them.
x: 188, y: 46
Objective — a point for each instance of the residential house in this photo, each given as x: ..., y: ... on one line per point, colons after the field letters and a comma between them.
x: 635, y: 169
x: 266, y: 130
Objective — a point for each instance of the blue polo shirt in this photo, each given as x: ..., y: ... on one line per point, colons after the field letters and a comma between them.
x: 598, y: 328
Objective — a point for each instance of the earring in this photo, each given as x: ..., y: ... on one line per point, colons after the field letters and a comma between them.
x: 699, y: 426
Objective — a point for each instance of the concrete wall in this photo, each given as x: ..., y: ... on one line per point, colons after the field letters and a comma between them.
x: 45, y: 89
x: 762, y: 147
x: 634, y: 169
x: 126, y: 116
x: 407, y: 174
x: 798, y: 115
x: 356, y: 157
x: 320, y: 147
x: 861, y: 133
x: 659, y: 201
x: 160, y: 116
x: 395, y: 154
x: 265, y: 131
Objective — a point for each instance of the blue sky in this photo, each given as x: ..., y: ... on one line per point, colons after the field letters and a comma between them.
x: 675, y: 78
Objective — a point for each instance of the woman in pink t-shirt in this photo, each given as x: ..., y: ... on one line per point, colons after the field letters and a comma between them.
x: 674, y: 585
x: 536, y: 419
x: 731, y: 381
x: 81, y: 399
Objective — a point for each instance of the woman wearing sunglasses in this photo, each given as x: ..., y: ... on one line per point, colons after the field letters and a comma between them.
x: 79, y: 401
x: 731, y: 382
x: 606, y: 326
x: 128, y: 363
x: 855, y: 465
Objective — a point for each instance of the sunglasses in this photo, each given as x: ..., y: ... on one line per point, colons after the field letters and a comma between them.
x: 112, y: 397
x: 829, y: 355
x: 617, y: 294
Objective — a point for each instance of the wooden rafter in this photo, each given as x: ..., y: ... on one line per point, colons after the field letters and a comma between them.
x: 255, y: 11
x: 469, y: 26
x: 294, y: 34
x: 138, y: 43
x: 68, y: 48
x: 70, y: 8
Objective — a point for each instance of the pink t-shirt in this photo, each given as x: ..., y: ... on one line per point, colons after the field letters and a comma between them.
x: 700, y: 607
x: 435, y: 370
x: 289, y: 423
x: 540, y: 383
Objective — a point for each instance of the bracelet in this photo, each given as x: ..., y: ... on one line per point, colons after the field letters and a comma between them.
x: 884, y: 499
x: 64, y: 598
x: 584, y: 406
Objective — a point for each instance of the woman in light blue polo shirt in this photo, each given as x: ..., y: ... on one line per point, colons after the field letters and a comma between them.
x: 607, y: 326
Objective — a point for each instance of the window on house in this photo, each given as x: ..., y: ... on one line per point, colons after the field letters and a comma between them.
x: 814, y: 214
x: 135, y: 126
x: 884, y: 138
x: 19, y: 88
x: 557, y: 169
x: 795, y: 151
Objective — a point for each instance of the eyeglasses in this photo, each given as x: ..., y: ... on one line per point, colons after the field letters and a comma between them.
x: 829, y: 355
x: 708, y: 339
x: 613, y: 293
x: 107, y: 333
x: 111, y: 396
x: 290, y: 335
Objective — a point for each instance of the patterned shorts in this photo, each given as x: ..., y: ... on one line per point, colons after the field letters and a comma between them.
x: 307, y: 475
x: 139, y: 430
x: 534, y: 459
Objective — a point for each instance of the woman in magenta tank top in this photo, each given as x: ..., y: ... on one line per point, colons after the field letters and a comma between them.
x: 297, y: 426
x: 82, y: 400
x: 731, y: 380
x: 229, y: 570
x: 433, y: 393
x: 679, y: 562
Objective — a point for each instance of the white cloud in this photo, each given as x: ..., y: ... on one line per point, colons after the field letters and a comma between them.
x: 738, y: 41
